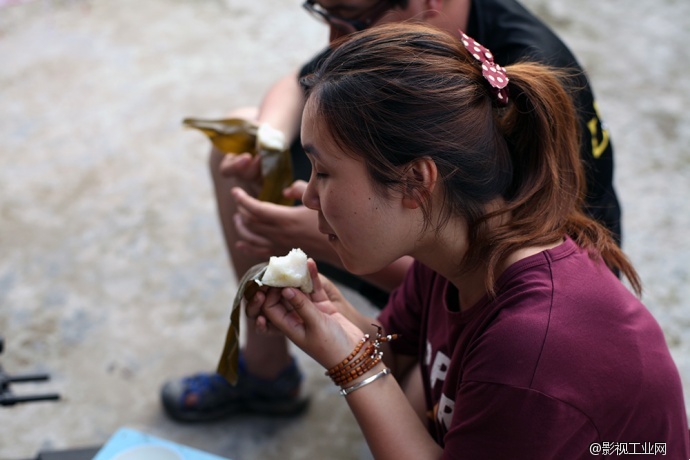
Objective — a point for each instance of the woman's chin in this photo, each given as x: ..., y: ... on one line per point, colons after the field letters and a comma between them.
x: 355, y: 262
x: 358, y: 266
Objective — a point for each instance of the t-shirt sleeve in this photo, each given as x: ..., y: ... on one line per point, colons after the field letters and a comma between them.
x: 403, y: 313
x: 500, y: 421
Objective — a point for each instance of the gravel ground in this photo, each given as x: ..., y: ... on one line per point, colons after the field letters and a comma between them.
x: 113, y: 275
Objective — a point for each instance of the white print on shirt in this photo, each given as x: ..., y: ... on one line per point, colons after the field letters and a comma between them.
x: 443, y: 410
x: 439, y: 369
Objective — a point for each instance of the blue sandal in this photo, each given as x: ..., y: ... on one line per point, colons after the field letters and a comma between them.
x: 208, y: 396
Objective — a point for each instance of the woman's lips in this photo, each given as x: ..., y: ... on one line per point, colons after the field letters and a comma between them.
x: 323, y: 228
x: 331, y: 236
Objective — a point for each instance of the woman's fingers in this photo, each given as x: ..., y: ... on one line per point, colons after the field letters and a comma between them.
x: 265, y: 298
x: 292, y: 314
x: 318, y: 295
x: 253, y: 308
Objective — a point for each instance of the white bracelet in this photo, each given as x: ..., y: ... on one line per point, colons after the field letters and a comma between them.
x: 367, y: 381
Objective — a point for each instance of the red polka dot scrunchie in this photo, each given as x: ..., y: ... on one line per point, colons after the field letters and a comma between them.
x: 494, y: 73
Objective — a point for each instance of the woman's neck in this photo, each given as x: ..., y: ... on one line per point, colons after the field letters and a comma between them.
x: 443, y: 251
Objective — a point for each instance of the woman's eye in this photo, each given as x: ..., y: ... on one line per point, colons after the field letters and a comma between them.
x: 320, y: 175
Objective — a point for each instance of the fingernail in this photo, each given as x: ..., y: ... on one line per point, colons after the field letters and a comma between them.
x: 288, y: 293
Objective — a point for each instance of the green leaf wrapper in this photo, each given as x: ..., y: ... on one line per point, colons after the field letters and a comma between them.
x: 228, y: 366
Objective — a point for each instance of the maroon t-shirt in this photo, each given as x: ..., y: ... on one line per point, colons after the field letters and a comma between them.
x: 564, y: 363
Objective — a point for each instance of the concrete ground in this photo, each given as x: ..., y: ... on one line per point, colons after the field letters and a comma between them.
x: 113, y: 275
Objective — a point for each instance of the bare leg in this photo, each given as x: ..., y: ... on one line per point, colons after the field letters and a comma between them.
x: 265, y: 356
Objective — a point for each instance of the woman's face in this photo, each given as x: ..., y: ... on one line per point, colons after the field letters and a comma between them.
x: 367, y: 229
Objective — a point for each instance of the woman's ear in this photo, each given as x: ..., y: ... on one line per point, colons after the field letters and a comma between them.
x: 420, y: 181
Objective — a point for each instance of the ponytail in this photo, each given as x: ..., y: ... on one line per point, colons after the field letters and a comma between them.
x: 541, y: 127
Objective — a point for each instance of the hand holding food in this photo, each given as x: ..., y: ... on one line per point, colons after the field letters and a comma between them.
x: 236, y: 135
x: 287, y: 271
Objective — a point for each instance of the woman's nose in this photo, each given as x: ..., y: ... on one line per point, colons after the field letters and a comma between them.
x: 310, y: 198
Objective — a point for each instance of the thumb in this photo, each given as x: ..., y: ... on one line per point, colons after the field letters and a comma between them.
x: 298, y: 302
x: 295, y: 190
x: 230, y: 164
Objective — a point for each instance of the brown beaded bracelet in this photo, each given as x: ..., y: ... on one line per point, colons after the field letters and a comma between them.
x: 359, y: 371
x: 360, y: 362
x: 349, y: 358
x: 363, y: 356
x: 356, y: 371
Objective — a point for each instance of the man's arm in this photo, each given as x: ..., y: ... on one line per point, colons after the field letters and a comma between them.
x: 282, y: 106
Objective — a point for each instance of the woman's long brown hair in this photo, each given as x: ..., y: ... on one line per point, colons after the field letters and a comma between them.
x: 399, y: 92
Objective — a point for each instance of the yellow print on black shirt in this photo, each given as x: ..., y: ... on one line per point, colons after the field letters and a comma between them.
x: 599, y: 132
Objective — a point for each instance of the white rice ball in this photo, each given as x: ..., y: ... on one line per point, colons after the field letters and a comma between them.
x: 288, y: 271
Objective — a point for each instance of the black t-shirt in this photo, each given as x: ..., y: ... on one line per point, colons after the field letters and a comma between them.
x: 513, y: 34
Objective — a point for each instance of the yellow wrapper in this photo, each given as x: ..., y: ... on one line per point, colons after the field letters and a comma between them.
x: 235, y: 136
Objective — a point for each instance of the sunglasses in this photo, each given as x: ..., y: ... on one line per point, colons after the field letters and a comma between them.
x: 366, y: 19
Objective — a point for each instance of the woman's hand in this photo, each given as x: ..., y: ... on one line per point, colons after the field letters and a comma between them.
x: 327, y: 337
x: 325, y: 296
x: 316, y: 322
